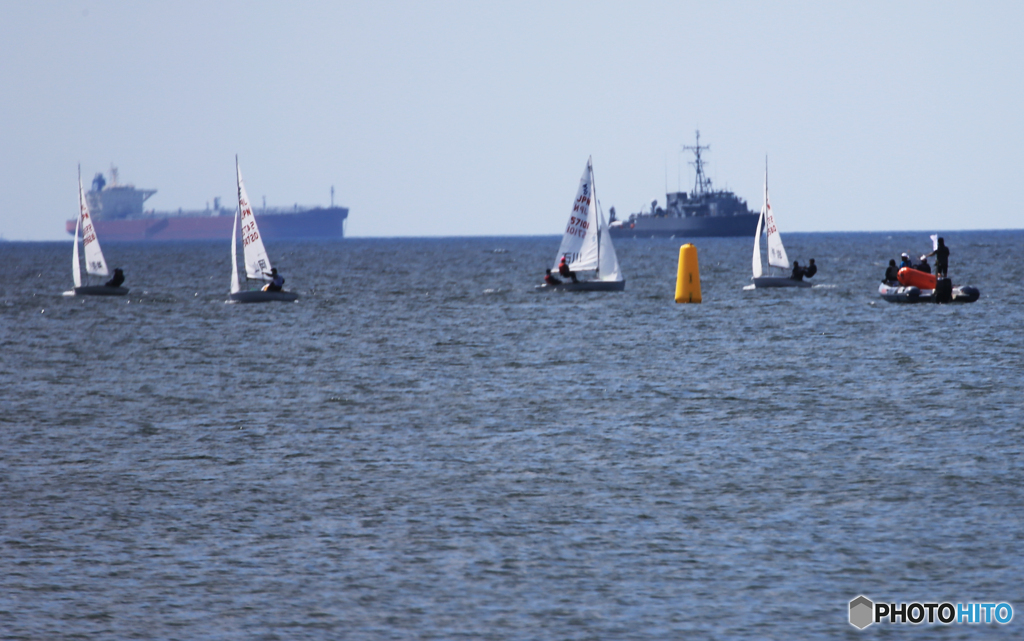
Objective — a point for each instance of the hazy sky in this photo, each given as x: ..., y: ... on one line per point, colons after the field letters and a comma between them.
x: 477, y: 118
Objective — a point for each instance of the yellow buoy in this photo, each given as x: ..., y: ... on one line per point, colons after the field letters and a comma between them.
x: 688, y: 279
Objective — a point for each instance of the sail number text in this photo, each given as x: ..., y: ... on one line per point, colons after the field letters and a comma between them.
x: 577, y: 226
x: 249, y: 233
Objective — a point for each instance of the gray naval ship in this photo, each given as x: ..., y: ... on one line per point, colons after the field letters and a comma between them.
x: 704, y: 211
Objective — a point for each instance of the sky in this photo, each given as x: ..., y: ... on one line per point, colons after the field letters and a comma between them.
x: 477, y: 118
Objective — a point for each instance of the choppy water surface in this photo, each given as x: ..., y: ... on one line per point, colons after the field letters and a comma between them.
x: 425, y: 447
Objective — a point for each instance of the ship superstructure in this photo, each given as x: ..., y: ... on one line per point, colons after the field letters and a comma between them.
x: 116, y: 200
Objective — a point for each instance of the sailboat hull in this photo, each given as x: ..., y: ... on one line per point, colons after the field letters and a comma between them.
x: 763, y: 282
x: 260, y: 296
x: 588, y: 286
x: 100, y: 290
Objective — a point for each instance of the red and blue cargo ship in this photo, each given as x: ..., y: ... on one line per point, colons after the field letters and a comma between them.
x: 118, y: 214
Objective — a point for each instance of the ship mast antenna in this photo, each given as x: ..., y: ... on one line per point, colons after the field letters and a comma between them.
x: 702, y: 185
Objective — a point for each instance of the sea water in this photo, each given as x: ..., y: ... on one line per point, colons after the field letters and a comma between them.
x: 424, y: 446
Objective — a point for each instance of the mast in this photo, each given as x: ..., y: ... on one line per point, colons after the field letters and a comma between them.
x: 702, y: 185
x: 597, y: 216
x: 76, y: 268
x: 767, y: 211
x: 235, y: 285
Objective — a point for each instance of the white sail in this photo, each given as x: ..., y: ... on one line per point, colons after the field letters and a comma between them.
x: 608, y: 266
x: 257, y: 263
x: 756, y: 261
x: 94, y: 263
x: 235, y: 286
x: 76, y: 269
x: 579, y: 243
x: 776, y: 252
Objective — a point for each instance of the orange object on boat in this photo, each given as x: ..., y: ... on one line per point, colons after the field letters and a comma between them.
x: 909, y: 277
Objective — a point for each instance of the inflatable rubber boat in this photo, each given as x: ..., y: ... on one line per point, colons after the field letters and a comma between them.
x: 920, y: 287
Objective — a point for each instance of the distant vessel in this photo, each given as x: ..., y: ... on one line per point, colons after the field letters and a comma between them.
x: 118, y: 215
x: 586, y: 246
x: 95, y: 264
x: 776, y: 252
x: 703, y: 212
x: 257, y: 262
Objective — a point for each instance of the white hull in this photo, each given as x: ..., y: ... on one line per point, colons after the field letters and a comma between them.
x: 587, y: 286
x: 260, y: 296
x: 763, y: 282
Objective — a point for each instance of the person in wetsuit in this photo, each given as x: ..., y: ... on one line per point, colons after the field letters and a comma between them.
x: 810, y: 270
x: 549, y: 278
x: 798, y: 271
x: 276, y: 283
x: 891, y: 272
x: 117, y: 279
x: 941, y: 254
x: 565, y: 272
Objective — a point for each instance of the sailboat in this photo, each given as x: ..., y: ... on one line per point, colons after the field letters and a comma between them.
x: 95, y: 264
x: 776, y: 252
x: 257, y: 263
x: 587, y: 245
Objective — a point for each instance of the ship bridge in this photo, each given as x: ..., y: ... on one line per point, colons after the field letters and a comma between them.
x: 116, y: 201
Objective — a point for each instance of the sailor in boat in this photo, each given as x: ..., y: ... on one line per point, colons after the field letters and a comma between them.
x: 117, y: 279
x: 276, y: 283
x: 923, y: 266
x: 565, y: 272
x: 811, y: 269
x: 798, y: 271
x: 905, y: 261
x: 550, y: 279
x: 941, y: 254
x: 891, y: 273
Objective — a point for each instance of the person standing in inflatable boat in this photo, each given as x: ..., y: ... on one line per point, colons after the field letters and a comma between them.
x: 941, y: 254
